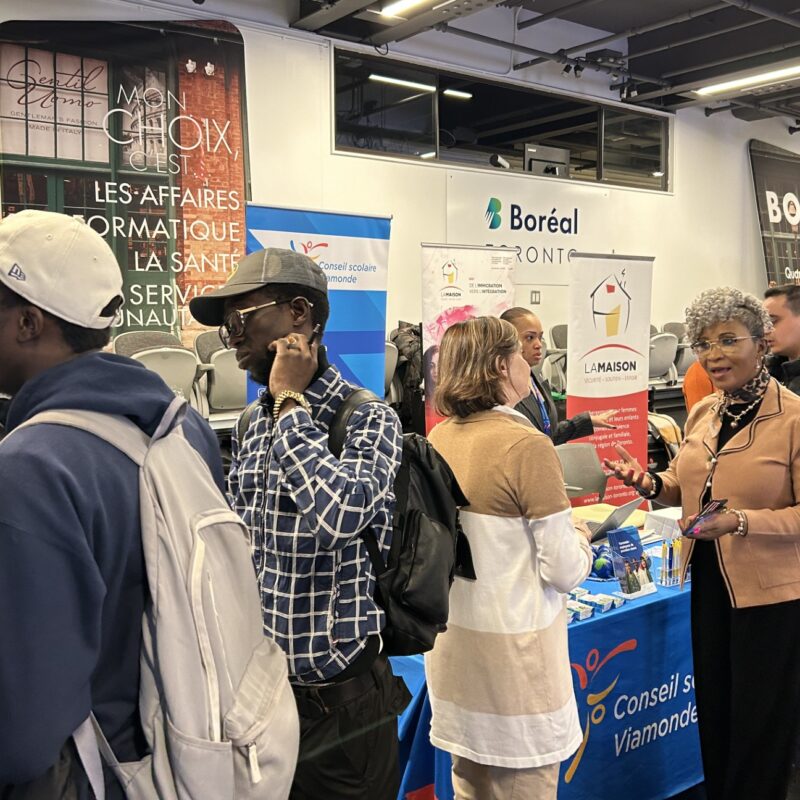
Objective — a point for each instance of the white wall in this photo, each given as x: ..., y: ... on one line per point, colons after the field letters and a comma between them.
x: 703, y: 233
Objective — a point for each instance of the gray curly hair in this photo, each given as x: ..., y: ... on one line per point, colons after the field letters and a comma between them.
x: 722, y: 304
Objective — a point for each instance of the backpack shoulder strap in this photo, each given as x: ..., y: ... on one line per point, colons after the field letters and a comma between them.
x: 245, y: 418
x: 117, y: 431
x: 338, y: 428
x: 336, y: 434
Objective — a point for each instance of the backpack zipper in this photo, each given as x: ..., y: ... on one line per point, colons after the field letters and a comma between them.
x: 206, y: 656
x: 252, y: 757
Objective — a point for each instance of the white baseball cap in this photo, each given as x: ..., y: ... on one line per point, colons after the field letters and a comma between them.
x: 59, y: 264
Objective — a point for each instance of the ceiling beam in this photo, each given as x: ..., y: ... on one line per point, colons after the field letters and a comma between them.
x: 559, y: 57
x: 754, y: 8
x: 528, y: 23
x: 535, y: 121
x: 771, y: 112
x: 688, y: 86
x: 733, y: 59
x: 664, y: 23
x: 331, y: 13
x: 425, y: 20
x: 702, y: 37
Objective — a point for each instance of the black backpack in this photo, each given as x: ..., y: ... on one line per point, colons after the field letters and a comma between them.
x: 428, y: 546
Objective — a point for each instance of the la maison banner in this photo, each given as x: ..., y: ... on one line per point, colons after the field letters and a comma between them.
x: 608, y: 359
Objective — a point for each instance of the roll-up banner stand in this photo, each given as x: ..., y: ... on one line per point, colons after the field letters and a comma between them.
x: 459, y: 282
x: 608, y: 353
x: 353, y: 252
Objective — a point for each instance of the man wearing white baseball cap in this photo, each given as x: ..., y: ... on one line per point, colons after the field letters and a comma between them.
x: 72, y: 580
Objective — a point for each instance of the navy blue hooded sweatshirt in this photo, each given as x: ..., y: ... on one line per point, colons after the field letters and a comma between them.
x: 72, y: 580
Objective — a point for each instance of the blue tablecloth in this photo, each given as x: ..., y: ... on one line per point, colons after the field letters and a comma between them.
x: 632, y: 670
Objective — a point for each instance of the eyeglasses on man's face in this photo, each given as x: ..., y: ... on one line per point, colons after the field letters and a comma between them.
x: 728, y: 345
x: 234, y: 324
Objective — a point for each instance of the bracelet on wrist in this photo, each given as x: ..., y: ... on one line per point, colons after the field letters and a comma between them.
x: 289, y: 395
x: 654, y: 490
x: 741, y: 528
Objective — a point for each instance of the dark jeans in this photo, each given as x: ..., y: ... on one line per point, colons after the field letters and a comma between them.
x: 348, y: 750
x: 746, y: 663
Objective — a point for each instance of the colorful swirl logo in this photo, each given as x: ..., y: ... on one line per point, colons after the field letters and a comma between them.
x: 594, y: 700
x: 307, y: 248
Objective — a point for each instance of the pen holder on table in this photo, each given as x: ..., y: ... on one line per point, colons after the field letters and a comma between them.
x: 669, y: 573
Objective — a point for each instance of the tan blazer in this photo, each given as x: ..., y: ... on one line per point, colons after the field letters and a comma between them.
x: 758, y: 472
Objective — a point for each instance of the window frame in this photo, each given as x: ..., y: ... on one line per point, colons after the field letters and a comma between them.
x: 437, y: 70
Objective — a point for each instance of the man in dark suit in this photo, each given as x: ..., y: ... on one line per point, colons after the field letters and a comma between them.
x: 538, y: 406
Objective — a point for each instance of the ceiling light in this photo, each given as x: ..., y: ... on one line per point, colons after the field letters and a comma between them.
x: 761, y: 79
x: 459, y: 94
x: 567, y: 69
x: 578, y: 70
x: 421, y: 87
x: 399, y: 6
x: 657, y: 174
x: 432, y: 154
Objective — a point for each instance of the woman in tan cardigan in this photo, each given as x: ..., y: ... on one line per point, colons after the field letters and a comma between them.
x: 499, y: 677
x: 742, y: 446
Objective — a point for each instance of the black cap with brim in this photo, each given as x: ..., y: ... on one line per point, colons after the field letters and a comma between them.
x: 255, y: 271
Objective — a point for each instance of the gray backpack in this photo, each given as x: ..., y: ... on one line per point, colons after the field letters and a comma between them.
x: 215, y: 702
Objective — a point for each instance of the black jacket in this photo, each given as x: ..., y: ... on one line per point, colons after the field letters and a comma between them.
x: 560, y: 432
x: 785, y: 371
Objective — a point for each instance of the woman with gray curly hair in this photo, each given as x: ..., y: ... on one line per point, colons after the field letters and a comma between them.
x: 741, y: 445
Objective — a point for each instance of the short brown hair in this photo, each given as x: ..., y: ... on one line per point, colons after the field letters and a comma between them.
x: 468, y: 371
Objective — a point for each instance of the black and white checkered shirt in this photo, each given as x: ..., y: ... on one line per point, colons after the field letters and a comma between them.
x: 305, y: 510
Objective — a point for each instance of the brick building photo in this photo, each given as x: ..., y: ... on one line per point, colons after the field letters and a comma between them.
x: 139, y: 129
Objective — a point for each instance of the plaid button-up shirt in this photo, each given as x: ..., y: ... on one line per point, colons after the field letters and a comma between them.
x: 305, y: 510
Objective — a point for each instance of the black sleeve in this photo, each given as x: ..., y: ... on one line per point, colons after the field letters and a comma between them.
x: 575, y: 428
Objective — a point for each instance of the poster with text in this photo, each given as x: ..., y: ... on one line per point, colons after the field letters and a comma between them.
x: 459, y: 282
x: 776, y: 179
x: 608, y: 355
x: 353, y: 252
x: 138, y: 129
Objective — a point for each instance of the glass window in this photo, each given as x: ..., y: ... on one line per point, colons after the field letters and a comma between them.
x: 23, y: 189
x: 142, y: 98
x: 52, y: 105
x: 145, y: 253
x: 634, y: 148
x: 81, y: 198
x: 532, y: 132
x: 384, y: 107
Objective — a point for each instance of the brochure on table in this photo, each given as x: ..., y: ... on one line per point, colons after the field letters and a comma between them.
x: 632, y: 566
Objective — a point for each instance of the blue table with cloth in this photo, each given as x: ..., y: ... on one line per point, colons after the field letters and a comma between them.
x: 632, y: 671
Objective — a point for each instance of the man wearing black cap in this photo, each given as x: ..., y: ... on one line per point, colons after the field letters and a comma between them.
x: 305, y: 510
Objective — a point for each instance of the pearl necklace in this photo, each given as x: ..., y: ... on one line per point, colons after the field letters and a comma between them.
x: 734, y: 418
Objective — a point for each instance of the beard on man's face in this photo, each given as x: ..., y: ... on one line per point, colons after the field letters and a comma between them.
x: 260, y: 371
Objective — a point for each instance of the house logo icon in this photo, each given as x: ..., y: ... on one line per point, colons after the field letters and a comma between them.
x: 611, y: 305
